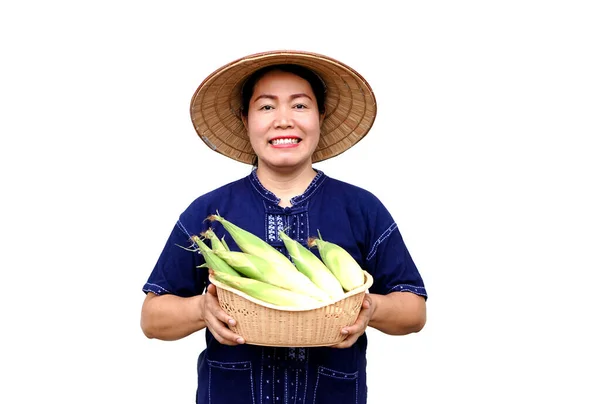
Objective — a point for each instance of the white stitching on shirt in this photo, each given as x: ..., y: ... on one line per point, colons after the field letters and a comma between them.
x: 252, y: 383
x: 255, y: 177
x: 305, y: 378
x: 182, y: 227
x: 285, y: 386
x: 418, y: 290
x: 380, y: 240
x: 312, y: 184
x: 262, y: 367
x: 307, y: 234
x: 158, y: 286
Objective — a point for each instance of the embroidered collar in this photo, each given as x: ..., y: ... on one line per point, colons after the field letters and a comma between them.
x: 296, y: 200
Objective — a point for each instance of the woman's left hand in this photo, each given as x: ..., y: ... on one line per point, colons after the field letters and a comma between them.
x: 360, y: 325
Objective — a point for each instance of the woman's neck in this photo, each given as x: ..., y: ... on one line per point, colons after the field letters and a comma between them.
x: 285, y: 185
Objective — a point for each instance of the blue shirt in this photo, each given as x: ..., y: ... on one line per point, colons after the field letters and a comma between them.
x: 345, y: 215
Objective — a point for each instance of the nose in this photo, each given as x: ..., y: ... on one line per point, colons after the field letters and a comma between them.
x: 284, y: 119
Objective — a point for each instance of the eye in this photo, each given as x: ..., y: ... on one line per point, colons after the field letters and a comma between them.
x: 300, y: 106
x: 266, y: 107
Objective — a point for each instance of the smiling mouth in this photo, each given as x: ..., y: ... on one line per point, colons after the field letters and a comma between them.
x: 284, y: 141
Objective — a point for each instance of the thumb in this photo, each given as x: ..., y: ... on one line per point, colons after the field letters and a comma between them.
x: 212, y: 289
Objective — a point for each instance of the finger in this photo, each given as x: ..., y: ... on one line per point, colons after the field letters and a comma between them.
x: 226, y: 337
x: 351, y: 330
x: 212, y: 289
x: 215, y: 310
x: 222, y: 315
x: 359, y: 326
x: 221, y: 332
x: 347, y: 343
x: 217, y: 319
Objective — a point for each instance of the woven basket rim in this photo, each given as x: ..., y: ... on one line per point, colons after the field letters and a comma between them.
x: 368, y: 283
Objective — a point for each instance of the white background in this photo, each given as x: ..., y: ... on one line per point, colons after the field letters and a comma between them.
x: 484, y: 149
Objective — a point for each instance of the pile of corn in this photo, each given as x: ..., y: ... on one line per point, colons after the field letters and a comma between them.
x: 261, y: 271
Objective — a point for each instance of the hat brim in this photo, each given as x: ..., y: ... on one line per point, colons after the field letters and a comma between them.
x: 350, y: 105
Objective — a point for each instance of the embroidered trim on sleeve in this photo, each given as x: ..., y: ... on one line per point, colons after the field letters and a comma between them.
x: 380, y: 240
x: 154, y: 288
x: 418, y: 290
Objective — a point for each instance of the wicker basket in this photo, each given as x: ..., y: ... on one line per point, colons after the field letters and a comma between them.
x: 261, y: 323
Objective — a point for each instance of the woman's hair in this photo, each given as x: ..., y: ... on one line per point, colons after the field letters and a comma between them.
x: 316, y: 83
x: 313, y: 79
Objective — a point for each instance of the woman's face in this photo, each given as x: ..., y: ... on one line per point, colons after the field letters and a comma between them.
x: 283, y: 121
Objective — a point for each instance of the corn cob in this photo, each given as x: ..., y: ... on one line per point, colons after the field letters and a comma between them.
x: 260, y: 269
x: 311, y: 266
x: 266, y: 292
x: 343, y: 266
x: 241, y: 262
x: 215, y: 242
x: 251, y: 244
x: 212, y: 260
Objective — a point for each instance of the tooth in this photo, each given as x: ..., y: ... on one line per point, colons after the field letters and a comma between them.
x: 284, y: 141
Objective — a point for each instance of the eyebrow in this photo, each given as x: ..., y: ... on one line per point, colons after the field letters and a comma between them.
x: 273, y: 97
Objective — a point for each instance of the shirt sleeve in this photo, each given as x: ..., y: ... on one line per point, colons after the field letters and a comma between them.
x: 177, y: 270
x: 389, y: 261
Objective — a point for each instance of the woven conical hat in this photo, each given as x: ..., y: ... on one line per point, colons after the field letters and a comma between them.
x: 350, y: 106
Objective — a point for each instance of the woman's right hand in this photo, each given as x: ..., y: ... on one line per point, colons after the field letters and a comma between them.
x: 216, y: 319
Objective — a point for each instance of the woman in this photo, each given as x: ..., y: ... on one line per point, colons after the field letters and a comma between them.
x: 281, y: 112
